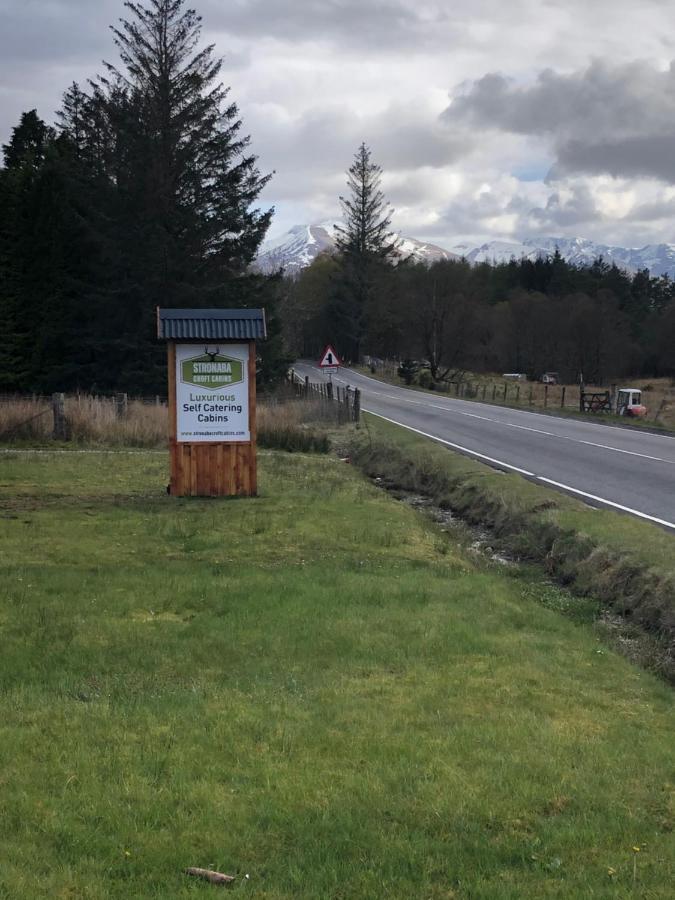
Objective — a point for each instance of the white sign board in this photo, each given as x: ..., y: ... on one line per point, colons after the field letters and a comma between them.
x: 212, y: 393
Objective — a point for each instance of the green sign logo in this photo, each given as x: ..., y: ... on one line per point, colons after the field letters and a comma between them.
x: 212, y: 371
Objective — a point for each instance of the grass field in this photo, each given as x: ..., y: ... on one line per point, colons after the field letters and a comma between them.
x: 315, y: 689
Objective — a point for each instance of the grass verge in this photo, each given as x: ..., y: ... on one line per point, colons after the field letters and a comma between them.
x: 625, y: 564
x: 313, y: 689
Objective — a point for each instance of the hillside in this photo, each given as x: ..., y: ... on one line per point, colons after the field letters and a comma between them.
x: 300, y: 246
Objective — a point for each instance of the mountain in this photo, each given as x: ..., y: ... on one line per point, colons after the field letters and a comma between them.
x: 300, y: 246
x: 658, y: 258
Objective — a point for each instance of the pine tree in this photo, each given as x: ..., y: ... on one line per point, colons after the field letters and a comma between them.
x: 24, y: 157
x: 365, y: 245
x: 365, y: 234
x: 192, y: 169
x: 171, y: 185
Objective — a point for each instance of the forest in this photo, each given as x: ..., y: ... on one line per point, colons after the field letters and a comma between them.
x: 521, y: 316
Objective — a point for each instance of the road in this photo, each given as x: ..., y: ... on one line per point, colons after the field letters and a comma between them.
x: 632, y: 471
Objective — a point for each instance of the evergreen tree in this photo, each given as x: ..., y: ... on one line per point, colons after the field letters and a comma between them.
x: 186, y: 163
x: 365, y: 245
x: 24, y: 158
x: 146, y: 197
x: 365, y: 234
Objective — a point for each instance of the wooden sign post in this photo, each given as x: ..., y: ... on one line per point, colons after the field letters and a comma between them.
x: 212, y: 399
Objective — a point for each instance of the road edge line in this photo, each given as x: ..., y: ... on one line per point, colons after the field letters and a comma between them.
x: 538, y: 478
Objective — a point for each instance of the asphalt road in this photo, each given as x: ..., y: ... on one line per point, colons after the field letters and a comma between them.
x: 632, y: 471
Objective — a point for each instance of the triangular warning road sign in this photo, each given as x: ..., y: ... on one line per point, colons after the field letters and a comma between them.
x: 329, y: 359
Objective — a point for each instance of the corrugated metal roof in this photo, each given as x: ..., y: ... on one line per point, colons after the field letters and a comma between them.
x: 211, y: 324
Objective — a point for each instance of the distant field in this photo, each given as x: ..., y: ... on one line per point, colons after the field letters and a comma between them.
x: 315, y: 689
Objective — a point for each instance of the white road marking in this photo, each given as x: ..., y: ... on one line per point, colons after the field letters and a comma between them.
x: 455, y: 446
x: 542, y: 478
x: 561, y: 437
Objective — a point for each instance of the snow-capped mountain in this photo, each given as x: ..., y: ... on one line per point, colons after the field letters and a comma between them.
x: 300, y: 246
x: 658, y: 258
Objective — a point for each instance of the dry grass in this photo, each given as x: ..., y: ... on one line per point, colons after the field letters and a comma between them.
x: 658, y: 395
x: 94, y: 420
x: 24, y: 419
x: 284, y: 422
x: 91, y: 420
x: 296, y: 424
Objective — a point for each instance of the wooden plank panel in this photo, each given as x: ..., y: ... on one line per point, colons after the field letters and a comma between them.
x: 191, y: 484
x: 231, y: 471
x: 201, y: 460
x: 213, y: 469
x: 173, y: 449
x: 251, y: 461
x: 221, y: 482
x: 241, y: 469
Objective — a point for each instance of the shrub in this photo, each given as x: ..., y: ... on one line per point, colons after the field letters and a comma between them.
x: 426, y: 380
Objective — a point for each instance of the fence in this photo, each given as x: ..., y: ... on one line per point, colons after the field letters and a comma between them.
x: 140, y: 421
x: 543, y: 396
x: 342, y: 402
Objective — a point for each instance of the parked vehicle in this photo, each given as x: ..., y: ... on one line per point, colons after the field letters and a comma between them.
x: 550, y: 378
x: 629, y: 403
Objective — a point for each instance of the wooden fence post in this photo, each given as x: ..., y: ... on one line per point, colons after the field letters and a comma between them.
x: 494, y: 391
x: 121, y: 405
x: 60, y: 432
x: 562, y: 397
x: 506, y: 387
x: 531, y: 397
x: 545, y: 396
x: 329, y: 389
x: 517, y: 394
x: 357, y: 406
x: 306, y: 385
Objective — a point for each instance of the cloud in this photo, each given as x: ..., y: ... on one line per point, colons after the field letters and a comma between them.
x: 376, y: 25
x: 538, y: 137
x: 606, y: 119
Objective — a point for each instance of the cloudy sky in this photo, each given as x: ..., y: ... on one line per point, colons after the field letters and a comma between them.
x: 490, y: 119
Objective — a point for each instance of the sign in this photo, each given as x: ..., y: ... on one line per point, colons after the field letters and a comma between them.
x: 212, y: 393
x: 329, y: 359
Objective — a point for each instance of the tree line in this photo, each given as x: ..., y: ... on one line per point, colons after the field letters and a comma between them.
x: 142, y: 195
x: 527, y: 316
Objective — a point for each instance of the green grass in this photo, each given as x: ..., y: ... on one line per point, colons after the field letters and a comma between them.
x: 314, y: 688
x: 625, y: 564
